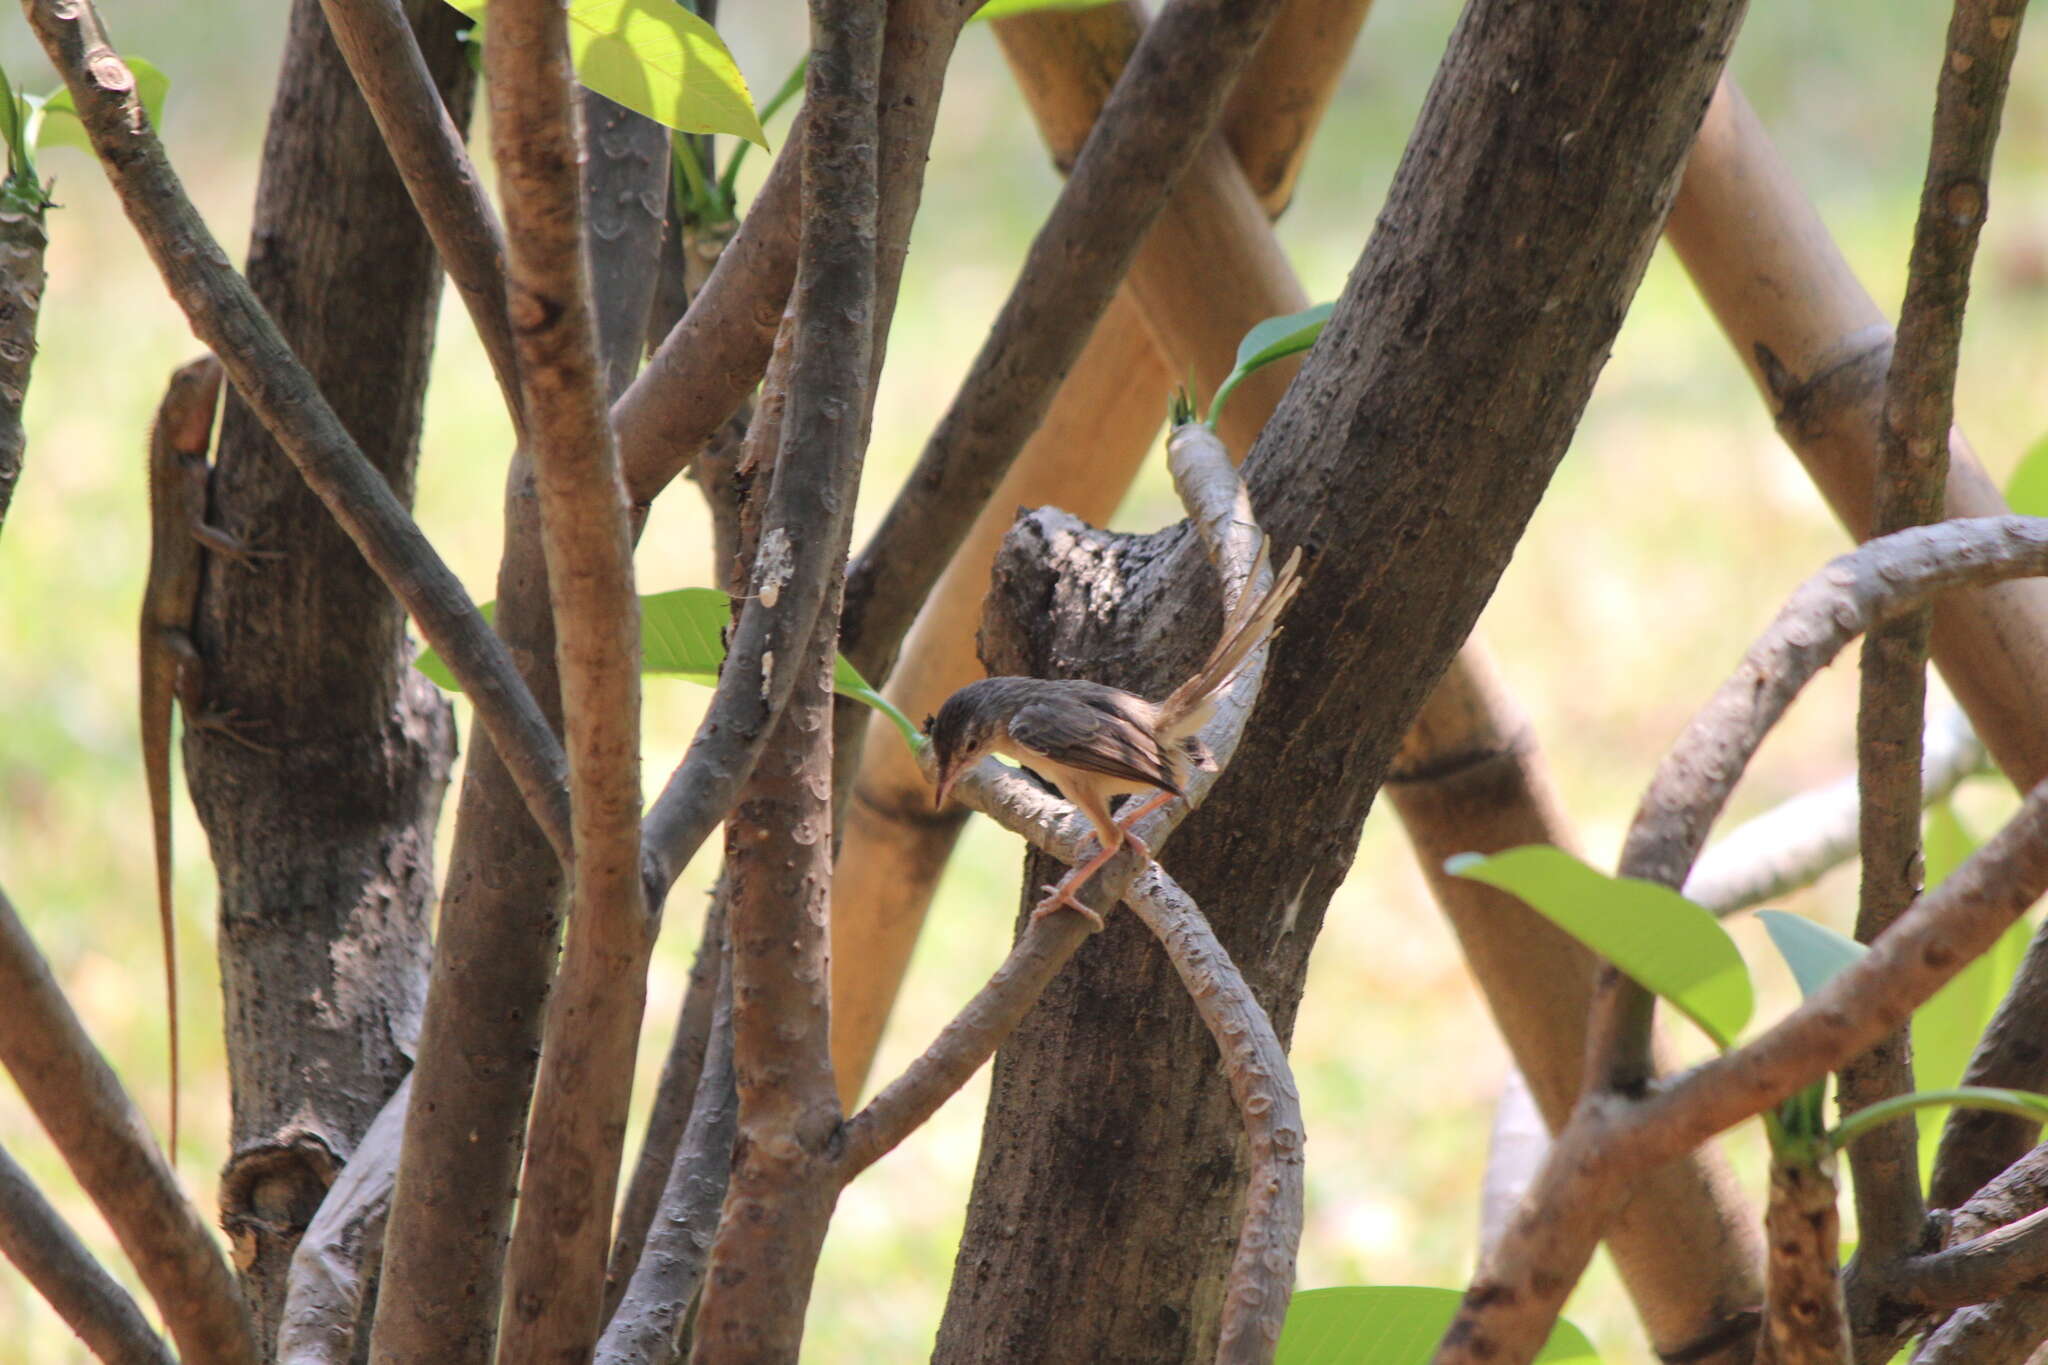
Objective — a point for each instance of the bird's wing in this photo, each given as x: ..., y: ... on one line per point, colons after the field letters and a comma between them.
x: 1104, y: 734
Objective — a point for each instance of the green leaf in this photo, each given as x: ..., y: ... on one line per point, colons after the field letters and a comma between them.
x: 1274, y: 339
x: 13, y: 121
x: 657, y: 59
x: 1392, y: 1325
x: 1010, y: 9
x: 59, y: 125
x: 1660, y: 939
x: 2026, y: 492
x: 2025, y: 1103
x: 682, y: 636
x: 1814, y: 952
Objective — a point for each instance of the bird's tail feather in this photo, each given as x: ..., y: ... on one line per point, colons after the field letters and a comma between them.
x: 1248, y: 626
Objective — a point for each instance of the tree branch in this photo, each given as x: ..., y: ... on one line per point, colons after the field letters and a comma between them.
x: 555, y: 1268
x: 80, y: 1103
x: 1919, y: 410
x: 1261, y: 1281
x: 226, y: 316
x: 779, y: 840
x: 51, y: 1258
x: 675, y: 1097
x: 647, y: 1326
x: 377, y: 42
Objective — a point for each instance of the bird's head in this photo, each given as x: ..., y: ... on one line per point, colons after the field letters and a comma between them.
x: 961, y: 733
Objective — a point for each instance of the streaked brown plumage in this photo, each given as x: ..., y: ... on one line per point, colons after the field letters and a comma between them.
x: 1094, y: 742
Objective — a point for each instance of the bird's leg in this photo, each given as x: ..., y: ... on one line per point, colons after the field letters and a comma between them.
x: 1112, y: 839
x: 1128, y: 823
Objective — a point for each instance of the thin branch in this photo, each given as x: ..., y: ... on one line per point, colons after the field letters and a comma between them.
x: 225, y: 315
x: 1163, y: 108
x: 342, y: 1249
x: 625, y: 209
x: 383, y: 54
x: 23, y: 240
x: 710, y: 362
x: 1792, y: 845
x: 675, y: 1098
x: 1261, y: 1281
x: 50, y: 1257
x: 647, y: 1326
x: 555, y: 1268
x: 1919, y: 410
x: 76, y: 1097
x: 1979, y: 1270
x: 2008, y: 1332
x: 1876, y: 582
x: 779, y: 839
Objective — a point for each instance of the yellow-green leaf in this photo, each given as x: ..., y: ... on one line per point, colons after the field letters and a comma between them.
x: 682, y: 636
x: 1664, y: 942
x: 59, y: 126
x: 657, y: 59
x: 1392, y: 1325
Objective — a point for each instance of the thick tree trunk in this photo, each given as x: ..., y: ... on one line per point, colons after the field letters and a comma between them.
x: 324, y: 844
x: 1407, y: 458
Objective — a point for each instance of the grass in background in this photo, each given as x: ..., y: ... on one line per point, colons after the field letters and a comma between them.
x: 1672, y: 531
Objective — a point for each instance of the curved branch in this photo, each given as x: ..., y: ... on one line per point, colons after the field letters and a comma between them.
x: 225, y: 315
x: 1882, y: 579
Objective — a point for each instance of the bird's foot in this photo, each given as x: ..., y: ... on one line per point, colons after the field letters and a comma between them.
x: 1061, y: 897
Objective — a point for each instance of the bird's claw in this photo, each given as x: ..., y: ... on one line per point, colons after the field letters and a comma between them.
x: 1062, y: 897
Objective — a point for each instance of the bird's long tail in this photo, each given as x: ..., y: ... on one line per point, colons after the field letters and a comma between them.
x: 1247, y: 627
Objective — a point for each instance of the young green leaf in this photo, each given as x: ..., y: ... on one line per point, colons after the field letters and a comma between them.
x: 13, y: 128
x: 2026, y: 492
x: 57, y: 125
x: 657, y: 59
x: 2025, y: 1103
x: 1274, y: 339
x: 682, y: 636
x: 1662, y: 941
x: 1392, y: 1325
x: 1814, y: 952
x: 1010, y: 9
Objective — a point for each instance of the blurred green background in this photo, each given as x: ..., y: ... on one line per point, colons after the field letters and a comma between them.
x: 1670, y: 534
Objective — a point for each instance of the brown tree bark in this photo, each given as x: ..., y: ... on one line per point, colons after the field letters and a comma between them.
x: 325, y: 846
x: 1406, y: 458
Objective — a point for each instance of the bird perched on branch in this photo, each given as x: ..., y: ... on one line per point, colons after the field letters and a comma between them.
x: 1093, y: 741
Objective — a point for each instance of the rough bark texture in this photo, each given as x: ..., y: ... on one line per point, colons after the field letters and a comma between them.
x: 22, y: 241
x: 1407, y: 459
x: 325, y: 846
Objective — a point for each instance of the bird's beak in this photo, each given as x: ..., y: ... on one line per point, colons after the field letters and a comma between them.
x: 947, y: 777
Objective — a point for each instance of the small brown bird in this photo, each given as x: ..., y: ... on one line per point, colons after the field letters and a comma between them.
x: 1093, y: 741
